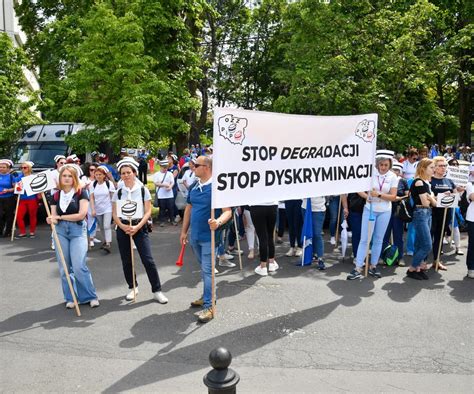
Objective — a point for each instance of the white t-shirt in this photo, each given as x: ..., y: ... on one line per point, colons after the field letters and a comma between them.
x: 133, y: 194
x: 318, y: 204
x: 409, y: 169
x: 382, y: 184
x: 166, y: 177
x: 189, y: 177
x: 470, y: 208
x: 121, y: 183
x: 102, y: 200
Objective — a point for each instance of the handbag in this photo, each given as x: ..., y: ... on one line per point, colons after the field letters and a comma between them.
x: 356, y: 203
x: 180, y: 200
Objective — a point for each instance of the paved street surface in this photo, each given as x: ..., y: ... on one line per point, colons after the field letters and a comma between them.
x: 300, y: 330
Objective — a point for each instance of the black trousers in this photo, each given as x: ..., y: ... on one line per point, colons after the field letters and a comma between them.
x: 7, y: 213
x: 264, y: 219
x: 142, y: 243
x: 166, y: 209
x: 142, y: 173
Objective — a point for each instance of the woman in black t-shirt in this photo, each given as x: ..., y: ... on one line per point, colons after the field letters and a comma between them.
x: 423, y: 200
x: 68, y: 211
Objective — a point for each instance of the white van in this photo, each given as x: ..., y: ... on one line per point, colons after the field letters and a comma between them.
x: 40, y: 143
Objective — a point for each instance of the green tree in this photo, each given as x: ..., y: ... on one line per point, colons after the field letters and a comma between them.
x: 16, y: 100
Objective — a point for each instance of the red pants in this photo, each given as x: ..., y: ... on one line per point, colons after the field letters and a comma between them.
x: 30, y: 206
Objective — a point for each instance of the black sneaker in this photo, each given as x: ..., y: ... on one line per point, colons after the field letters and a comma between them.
x: 414, y: 275
x: 321, y: 265
x: 423, y: 275
x: 354, y: 275
x: 375, y: 272
x: 20, y: 236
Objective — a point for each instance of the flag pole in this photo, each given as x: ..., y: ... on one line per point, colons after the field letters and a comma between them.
x: 61, y: 256
x: 337, y: 223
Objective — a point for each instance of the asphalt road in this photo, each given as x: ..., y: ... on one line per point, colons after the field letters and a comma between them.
x: 299, y: 330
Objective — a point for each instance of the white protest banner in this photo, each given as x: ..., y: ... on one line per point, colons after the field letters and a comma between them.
x: 19, y: 188
x: 38, y: 183
x: 447, y: 200
x: 263, y: 157
x: 459, y: 175
x: 129, y: 209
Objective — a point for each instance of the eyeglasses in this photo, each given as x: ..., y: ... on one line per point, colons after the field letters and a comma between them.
x: 91, y: 169
x: 200, y: 165
x: 442, y: 165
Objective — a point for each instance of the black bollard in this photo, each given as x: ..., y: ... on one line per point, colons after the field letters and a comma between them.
x: 221, y: 379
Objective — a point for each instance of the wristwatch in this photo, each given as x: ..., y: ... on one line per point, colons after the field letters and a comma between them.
x: 380, y: 195
x: 219, y: 223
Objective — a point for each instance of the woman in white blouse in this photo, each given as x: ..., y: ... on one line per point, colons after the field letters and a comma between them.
x: 379, y: 205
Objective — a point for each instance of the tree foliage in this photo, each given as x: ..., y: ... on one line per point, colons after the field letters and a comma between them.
x: 16, y: 101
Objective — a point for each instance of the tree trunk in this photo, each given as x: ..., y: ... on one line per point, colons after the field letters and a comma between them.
x: 465, y: 112
x: 441, y: 132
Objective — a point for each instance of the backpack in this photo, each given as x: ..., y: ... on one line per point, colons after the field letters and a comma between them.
x: 405, y: 207
x: 390, y: 254
x: 107, y: 182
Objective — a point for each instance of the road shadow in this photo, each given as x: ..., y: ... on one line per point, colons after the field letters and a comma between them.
x: 462, y: 290
x: 194, y: 357
x: 57, y: 316
x: 406, y: 291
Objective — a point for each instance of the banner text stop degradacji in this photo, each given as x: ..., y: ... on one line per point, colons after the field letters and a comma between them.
x: 243, y: 180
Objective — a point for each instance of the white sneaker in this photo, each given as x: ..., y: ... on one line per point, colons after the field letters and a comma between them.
x: 94, y: 303
x: 97, y: 241
x: 349, y: 234
x: 215, y: 271
x: 70, y: 305
x: 299, y: 252
x: 261, y: 271
x: 291, y: 252
x: 228, y: 256
x: 251, y: 254
x: 445, y: 241
x: 272, y: 267
x: 226, y: 263
x: 129, y: 296
x: 52, y: 245
x: 470, y: 274
x: 332, y: 241
x: 91, y: 244
x: 160, y: 297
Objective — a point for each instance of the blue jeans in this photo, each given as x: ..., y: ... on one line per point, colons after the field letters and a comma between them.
x: 202, y: 251
x: 73, y: 241
x: 318, y: 242
x: 422, y: 228
x: 411, y: 239
x: 379, y: 228
x: 333, y: 207
x: 355, y: 220
x: 396, y: 226
x: 295, y: 221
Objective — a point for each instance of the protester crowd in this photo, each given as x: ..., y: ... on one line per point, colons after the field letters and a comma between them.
x: 94, y: 197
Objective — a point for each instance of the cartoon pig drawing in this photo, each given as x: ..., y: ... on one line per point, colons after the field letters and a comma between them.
x: 232, y: 128
x: 366, y: 130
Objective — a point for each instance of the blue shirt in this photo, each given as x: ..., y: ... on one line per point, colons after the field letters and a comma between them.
x: 200, y: 198
x: 112, y: 170
x: 7, y: 181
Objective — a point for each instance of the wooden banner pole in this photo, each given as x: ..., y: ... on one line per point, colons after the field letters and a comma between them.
x: 213, y: 266
x: 441, y: 239
x: 133, y: 266
x: 16, y: 214
x: 237, y: 238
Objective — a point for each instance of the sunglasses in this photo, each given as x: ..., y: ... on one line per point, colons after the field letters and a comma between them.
x: 200, y: 165
x: 24, y: 168
x: 92, y: 169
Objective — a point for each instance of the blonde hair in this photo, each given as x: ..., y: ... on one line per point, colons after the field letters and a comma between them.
x: 73, y: 172
x: 438, y: 159
x: 423, y: 164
